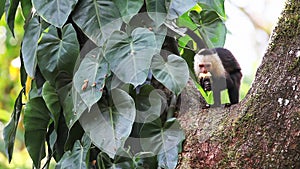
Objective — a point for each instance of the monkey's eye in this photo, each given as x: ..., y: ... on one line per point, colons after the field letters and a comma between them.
x: 201, y: 65
x: 208, y: 65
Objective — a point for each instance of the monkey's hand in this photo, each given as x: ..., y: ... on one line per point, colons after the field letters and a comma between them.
x: 206, y: 84
x: 204, y: 80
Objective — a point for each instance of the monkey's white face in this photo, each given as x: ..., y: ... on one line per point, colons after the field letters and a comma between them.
x: 208, y: 63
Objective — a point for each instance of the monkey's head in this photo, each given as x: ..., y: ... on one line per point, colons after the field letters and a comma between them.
x: 208, y: 61
x: 208, y: 66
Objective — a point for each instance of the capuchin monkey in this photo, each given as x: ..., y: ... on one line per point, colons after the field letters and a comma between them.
x: 217, y: 69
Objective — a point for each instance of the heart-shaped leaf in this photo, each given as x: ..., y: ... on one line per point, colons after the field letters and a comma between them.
x: 173, y: 73
x: 210, y: 27
x: 90, y: 77
x: 162, y: 140
x: 128, y: 8
x: 36, y: 120
x: 77, y: 158
x: 157, y: 11
x: 130, y: 56
x: 110, y: 125
x: 57, y: 53
x: 56, y: 12
x: 97, y: 19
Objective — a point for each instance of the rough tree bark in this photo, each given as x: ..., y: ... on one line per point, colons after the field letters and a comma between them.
x: 263, y: 130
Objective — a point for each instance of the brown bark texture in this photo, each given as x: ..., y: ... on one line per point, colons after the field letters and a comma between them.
x: 263, y: 130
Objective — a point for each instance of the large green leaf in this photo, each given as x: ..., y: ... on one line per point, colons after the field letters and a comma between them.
x: 52, y: 101
x: 217, y: 5
x: 90, y: 77
x: 173, y: 73
x: 97, y: 19
x: 56, y: 12
x: 10, y: 18
x: 157, y: 11
x: 162, y: 140
x: 77, y: 158
x: 110, y: 125
x: 179, y: 7
x: 9, y: 132
x: 128, y: 8
x: 36, y: 120
x: 130, y: 56
x: 30, y: 44
x: 57, y: 53
x: 211, y: 27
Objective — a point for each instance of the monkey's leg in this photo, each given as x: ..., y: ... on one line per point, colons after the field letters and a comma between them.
x: 234, y: 87
x: 217, y: 98
x: 233, y: 95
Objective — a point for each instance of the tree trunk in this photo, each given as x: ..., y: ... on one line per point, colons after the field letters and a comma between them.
x: 263, y: 130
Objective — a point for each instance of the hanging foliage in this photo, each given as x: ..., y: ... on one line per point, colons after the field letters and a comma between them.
x: 105, y: 67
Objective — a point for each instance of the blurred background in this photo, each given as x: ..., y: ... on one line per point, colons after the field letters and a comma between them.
x: 249, y: 22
